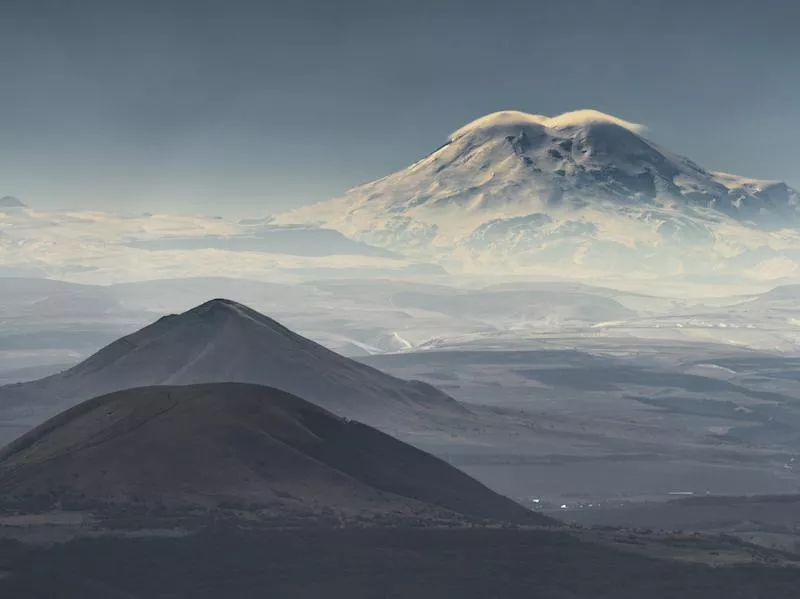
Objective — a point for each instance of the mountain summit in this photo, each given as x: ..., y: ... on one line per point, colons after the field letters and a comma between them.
x: 224, y: 341
x: 581, y: 188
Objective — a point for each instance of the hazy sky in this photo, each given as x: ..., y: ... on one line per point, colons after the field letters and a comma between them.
x: 255, y: 106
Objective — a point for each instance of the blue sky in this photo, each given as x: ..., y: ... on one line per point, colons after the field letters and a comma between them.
x: 254, y: 107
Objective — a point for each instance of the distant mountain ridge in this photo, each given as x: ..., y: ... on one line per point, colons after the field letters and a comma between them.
x: 582, y: 189
x: 11, y: 202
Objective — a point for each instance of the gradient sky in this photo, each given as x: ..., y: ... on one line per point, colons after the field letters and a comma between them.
x: 256, y: 106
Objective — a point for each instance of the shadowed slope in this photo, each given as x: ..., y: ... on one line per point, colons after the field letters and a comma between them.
x: 240, y: 446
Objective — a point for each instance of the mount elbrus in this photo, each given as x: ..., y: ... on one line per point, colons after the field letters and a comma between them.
x: 580, y: 193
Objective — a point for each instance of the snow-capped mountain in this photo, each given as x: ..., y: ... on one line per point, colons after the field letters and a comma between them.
x: 583, y: 190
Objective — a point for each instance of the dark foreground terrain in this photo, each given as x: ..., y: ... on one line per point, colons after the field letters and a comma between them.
x: 374, y: 563
x: 250, y: 452
x: 772, y: 521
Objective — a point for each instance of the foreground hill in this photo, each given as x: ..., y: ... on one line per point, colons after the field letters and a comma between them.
x: 235, y: 447
x: 223, y: 341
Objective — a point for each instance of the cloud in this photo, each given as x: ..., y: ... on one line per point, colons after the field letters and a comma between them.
x: 512, y: 119
x: 587, y: 117
x: 98, y: 247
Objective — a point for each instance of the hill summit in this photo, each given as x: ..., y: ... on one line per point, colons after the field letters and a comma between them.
x: 224, y: 341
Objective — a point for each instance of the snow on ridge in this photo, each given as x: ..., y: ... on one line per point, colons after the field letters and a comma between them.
x: 504, y: 118
x: 732, y: 181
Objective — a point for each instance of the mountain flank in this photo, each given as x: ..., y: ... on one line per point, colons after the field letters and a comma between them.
x: 223, y: 341
x: 239, y: 449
